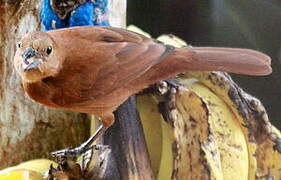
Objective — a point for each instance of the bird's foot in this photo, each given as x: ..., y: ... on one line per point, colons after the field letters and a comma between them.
x: 162, y: 87
x: 168, y: 90
x: 172, y: 83
x: 77, y: 151
x: 84, y: 147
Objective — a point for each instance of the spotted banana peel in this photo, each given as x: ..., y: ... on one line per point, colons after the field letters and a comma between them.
x: 209, y: 128
x: 217, y: 131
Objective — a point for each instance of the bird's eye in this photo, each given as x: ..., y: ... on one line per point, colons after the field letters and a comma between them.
x: 49, y: 50
x: 19, y: 45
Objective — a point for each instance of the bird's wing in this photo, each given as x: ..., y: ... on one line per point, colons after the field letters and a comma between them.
x: 134, y: 57
x: 117, y: 56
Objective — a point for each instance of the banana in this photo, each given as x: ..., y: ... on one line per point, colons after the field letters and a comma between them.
x: 227, y: 132
x: 29, y: 170
x: 191, y: 144
x: 138, y: 30
x: 207, y: 137
x: 191, y: 128
x: 152, y: 125
x: 166, y: 162
x: 260, y: 135
x: 38, y: 165
x: 17, y: 174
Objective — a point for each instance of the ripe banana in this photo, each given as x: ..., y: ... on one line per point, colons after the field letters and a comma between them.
x: 260, y: 135
x: 209, y: 136
x: 17, y: 174
x: 29, y: 170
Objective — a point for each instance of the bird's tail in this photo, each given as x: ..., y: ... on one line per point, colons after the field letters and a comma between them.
x: 235, y: 60
x: 180, y: 60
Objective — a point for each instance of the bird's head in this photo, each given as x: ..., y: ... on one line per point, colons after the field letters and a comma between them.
x: 38, y: 56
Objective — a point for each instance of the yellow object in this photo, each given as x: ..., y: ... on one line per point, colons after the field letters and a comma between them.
x: 38, y: 165
x: 20, y: 174
x: 228, y: 134
x: 29, y: 170
x: 138, y: 30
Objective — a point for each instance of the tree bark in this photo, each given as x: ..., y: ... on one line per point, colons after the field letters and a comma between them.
x: 27, y: 129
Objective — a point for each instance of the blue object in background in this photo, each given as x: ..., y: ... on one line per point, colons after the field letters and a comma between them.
x: 101, y: 16
x: 83, y: 15
x: 89, y: 13
x: 49, y: 19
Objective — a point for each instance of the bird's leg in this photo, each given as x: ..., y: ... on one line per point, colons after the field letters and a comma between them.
x: 74, y: 152
x: 172, y: 83
x: 167, y: 90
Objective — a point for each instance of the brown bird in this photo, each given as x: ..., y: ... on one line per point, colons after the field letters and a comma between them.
x: 94, y: 69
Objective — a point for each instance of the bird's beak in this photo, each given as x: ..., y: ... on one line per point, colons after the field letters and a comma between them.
x: 29, y: 59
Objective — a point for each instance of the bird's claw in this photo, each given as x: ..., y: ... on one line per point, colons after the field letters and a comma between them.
x: 77, y: 151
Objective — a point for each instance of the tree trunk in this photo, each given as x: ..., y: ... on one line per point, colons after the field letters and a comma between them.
x: 28, y: 130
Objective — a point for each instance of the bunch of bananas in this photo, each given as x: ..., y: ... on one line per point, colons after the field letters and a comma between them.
x: 211, y: 129
x: 216, y: 130
x: 213, y: 134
